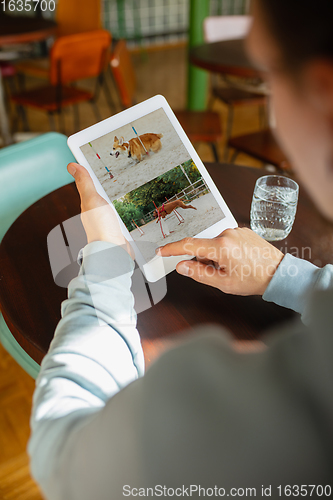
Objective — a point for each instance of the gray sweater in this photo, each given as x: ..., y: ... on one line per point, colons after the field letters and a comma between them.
x: 203, y: 416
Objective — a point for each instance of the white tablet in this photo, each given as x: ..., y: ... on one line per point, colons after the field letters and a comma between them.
x: 144, y: 165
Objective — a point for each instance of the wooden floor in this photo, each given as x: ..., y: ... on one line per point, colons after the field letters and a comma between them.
x: 157, y: 73
x: 16, y: 389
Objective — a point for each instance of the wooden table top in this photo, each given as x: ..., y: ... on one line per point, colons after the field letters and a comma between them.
x: 228, y: 56
x: 30, y: 300
x: 23, y: 29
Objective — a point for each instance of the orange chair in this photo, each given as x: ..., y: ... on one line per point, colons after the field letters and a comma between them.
x: 71, y: 18
x: 200, y: 126
x: 74, y: 17
x: 72, y: 58
x: 123, y: 73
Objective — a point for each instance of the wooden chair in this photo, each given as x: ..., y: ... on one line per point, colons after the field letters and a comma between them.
x: 71, y: 18
x: 200, y: 126
x: 261, y: 145
x: 232, y: 94
x: 72, y: 58
x: 7, y: 73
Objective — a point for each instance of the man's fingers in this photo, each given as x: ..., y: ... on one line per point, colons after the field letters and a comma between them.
x: 208, y: 275
x: 203, y: 248
x: 208, y: 262
x: 84, y: 182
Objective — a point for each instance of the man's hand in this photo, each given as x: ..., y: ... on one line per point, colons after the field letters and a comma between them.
x: 238, y: 261
x: 98, y: 218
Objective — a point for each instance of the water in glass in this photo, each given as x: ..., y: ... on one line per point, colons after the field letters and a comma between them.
x: 273, y: 207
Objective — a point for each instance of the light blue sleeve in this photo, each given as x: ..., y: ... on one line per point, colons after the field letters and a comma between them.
x: 96, y: 351
x: 294, y: 282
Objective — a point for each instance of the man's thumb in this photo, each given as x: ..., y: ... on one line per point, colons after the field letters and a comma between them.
x: 84, y: 182
x: 71, y: 167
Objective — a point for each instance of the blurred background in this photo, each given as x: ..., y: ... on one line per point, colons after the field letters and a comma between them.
x: 157, y: 33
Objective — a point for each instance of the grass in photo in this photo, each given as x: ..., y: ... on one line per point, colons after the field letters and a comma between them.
x: 172, y: 206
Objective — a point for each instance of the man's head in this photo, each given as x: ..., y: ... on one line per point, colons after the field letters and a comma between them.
x: 292, y: 42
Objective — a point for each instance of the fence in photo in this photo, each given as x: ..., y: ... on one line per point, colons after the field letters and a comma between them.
x: 191, y: 192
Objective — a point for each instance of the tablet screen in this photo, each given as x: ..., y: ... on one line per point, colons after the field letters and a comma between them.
x: 154, y: 184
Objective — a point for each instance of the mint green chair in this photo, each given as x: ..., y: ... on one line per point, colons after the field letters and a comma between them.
x: 28, y: 171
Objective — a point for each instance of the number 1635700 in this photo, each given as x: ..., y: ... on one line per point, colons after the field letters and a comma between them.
x: 305, y: 490
x: 27, y: 5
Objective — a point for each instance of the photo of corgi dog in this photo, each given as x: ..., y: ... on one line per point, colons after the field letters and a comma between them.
x: 137, y: 147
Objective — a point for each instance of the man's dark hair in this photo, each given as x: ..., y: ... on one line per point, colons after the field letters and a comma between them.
x: 303, y: 29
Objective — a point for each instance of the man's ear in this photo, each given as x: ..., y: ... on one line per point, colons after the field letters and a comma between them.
x: 318, y: 79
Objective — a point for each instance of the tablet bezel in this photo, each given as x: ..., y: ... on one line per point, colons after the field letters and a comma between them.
x: 158, y: 267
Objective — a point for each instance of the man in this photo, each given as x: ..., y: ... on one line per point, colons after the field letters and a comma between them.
x: 204, y: 419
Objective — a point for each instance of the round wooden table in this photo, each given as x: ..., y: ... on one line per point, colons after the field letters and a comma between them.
x: 23, y: 29
x: 30, y: 300
x: 20, y: 29
x: 227, y: 57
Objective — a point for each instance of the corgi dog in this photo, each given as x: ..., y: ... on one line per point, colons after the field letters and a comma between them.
x: 169, y: 207
x: 134, y: 149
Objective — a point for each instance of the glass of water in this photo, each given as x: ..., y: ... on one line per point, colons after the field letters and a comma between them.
x: 274, y: 206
